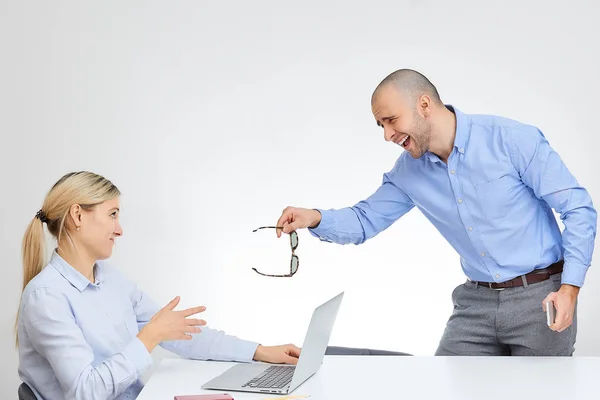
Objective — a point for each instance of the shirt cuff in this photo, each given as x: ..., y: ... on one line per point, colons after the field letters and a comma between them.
x: 574, y: 274
x: 245, y: 350
x: 325, y: 226
x: 137, y: 354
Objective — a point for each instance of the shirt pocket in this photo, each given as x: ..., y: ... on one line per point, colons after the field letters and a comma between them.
x: 129, y: 322
x: 122, y: 318
x: 497, y: 196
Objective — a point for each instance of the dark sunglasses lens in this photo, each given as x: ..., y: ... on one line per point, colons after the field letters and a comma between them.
x: 294, y: 240
x: 294, y: 264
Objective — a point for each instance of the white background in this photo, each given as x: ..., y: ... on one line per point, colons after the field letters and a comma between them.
x: 211, y: 117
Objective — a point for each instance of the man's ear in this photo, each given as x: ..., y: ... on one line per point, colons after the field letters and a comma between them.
x: 424, y: 106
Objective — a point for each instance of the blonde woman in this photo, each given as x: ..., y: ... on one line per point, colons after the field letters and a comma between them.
x: 84, y: 331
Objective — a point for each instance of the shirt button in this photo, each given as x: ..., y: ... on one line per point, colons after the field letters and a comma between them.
x: 459, y: 201
x: 461, y: 150
x: 470, y: 228
x: 452, y: 172
x: 482, y: 254
x: 497, y: 276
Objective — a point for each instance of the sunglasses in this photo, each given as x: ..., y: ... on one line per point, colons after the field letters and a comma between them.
x: 293, y: 262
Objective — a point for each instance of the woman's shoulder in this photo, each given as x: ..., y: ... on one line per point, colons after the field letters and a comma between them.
x: 45, y: 296
x: 49, y: 279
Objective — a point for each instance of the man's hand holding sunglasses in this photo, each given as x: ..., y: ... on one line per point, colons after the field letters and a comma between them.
x: 294, y: 218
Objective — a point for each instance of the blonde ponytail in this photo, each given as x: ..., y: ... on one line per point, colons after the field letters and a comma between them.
x: 33, y: 250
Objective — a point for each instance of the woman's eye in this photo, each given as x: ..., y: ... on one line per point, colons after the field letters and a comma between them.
x: 114, y: 215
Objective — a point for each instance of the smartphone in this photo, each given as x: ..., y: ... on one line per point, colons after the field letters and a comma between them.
x: 549, y: 313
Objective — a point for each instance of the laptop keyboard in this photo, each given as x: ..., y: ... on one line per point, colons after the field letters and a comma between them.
x: 275, y: 377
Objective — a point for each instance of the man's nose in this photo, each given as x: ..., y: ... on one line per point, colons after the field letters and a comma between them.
x: 388, y: 134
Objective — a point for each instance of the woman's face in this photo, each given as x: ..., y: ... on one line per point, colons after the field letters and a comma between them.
x: 99, y: 228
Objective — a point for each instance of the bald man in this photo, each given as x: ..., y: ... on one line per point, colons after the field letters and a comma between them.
x: 488, y: 184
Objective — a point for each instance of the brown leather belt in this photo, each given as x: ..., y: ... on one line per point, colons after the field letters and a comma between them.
x: 535, y: 276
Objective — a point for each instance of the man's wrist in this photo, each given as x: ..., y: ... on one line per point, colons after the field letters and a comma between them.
x: 317, y: 219
x: 571, y: 290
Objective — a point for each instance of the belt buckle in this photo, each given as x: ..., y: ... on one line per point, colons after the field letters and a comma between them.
x: 490, y: 285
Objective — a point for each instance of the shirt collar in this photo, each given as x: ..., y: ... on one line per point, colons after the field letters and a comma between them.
x: 462, y: 133
x: 75, y: 277
x: 462, y: 129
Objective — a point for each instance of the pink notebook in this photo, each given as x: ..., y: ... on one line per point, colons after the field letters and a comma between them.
x: 205, y: 397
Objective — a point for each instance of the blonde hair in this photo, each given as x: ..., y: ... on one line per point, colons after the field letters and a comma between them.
x: 84, y: 188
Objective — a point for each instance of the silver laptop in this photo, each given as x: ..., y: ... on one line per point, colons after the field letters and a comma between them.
x: 268, y: 378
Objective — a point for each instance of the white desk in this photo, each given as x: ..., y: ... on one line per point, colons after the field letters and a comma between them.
x: 410, y: 378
